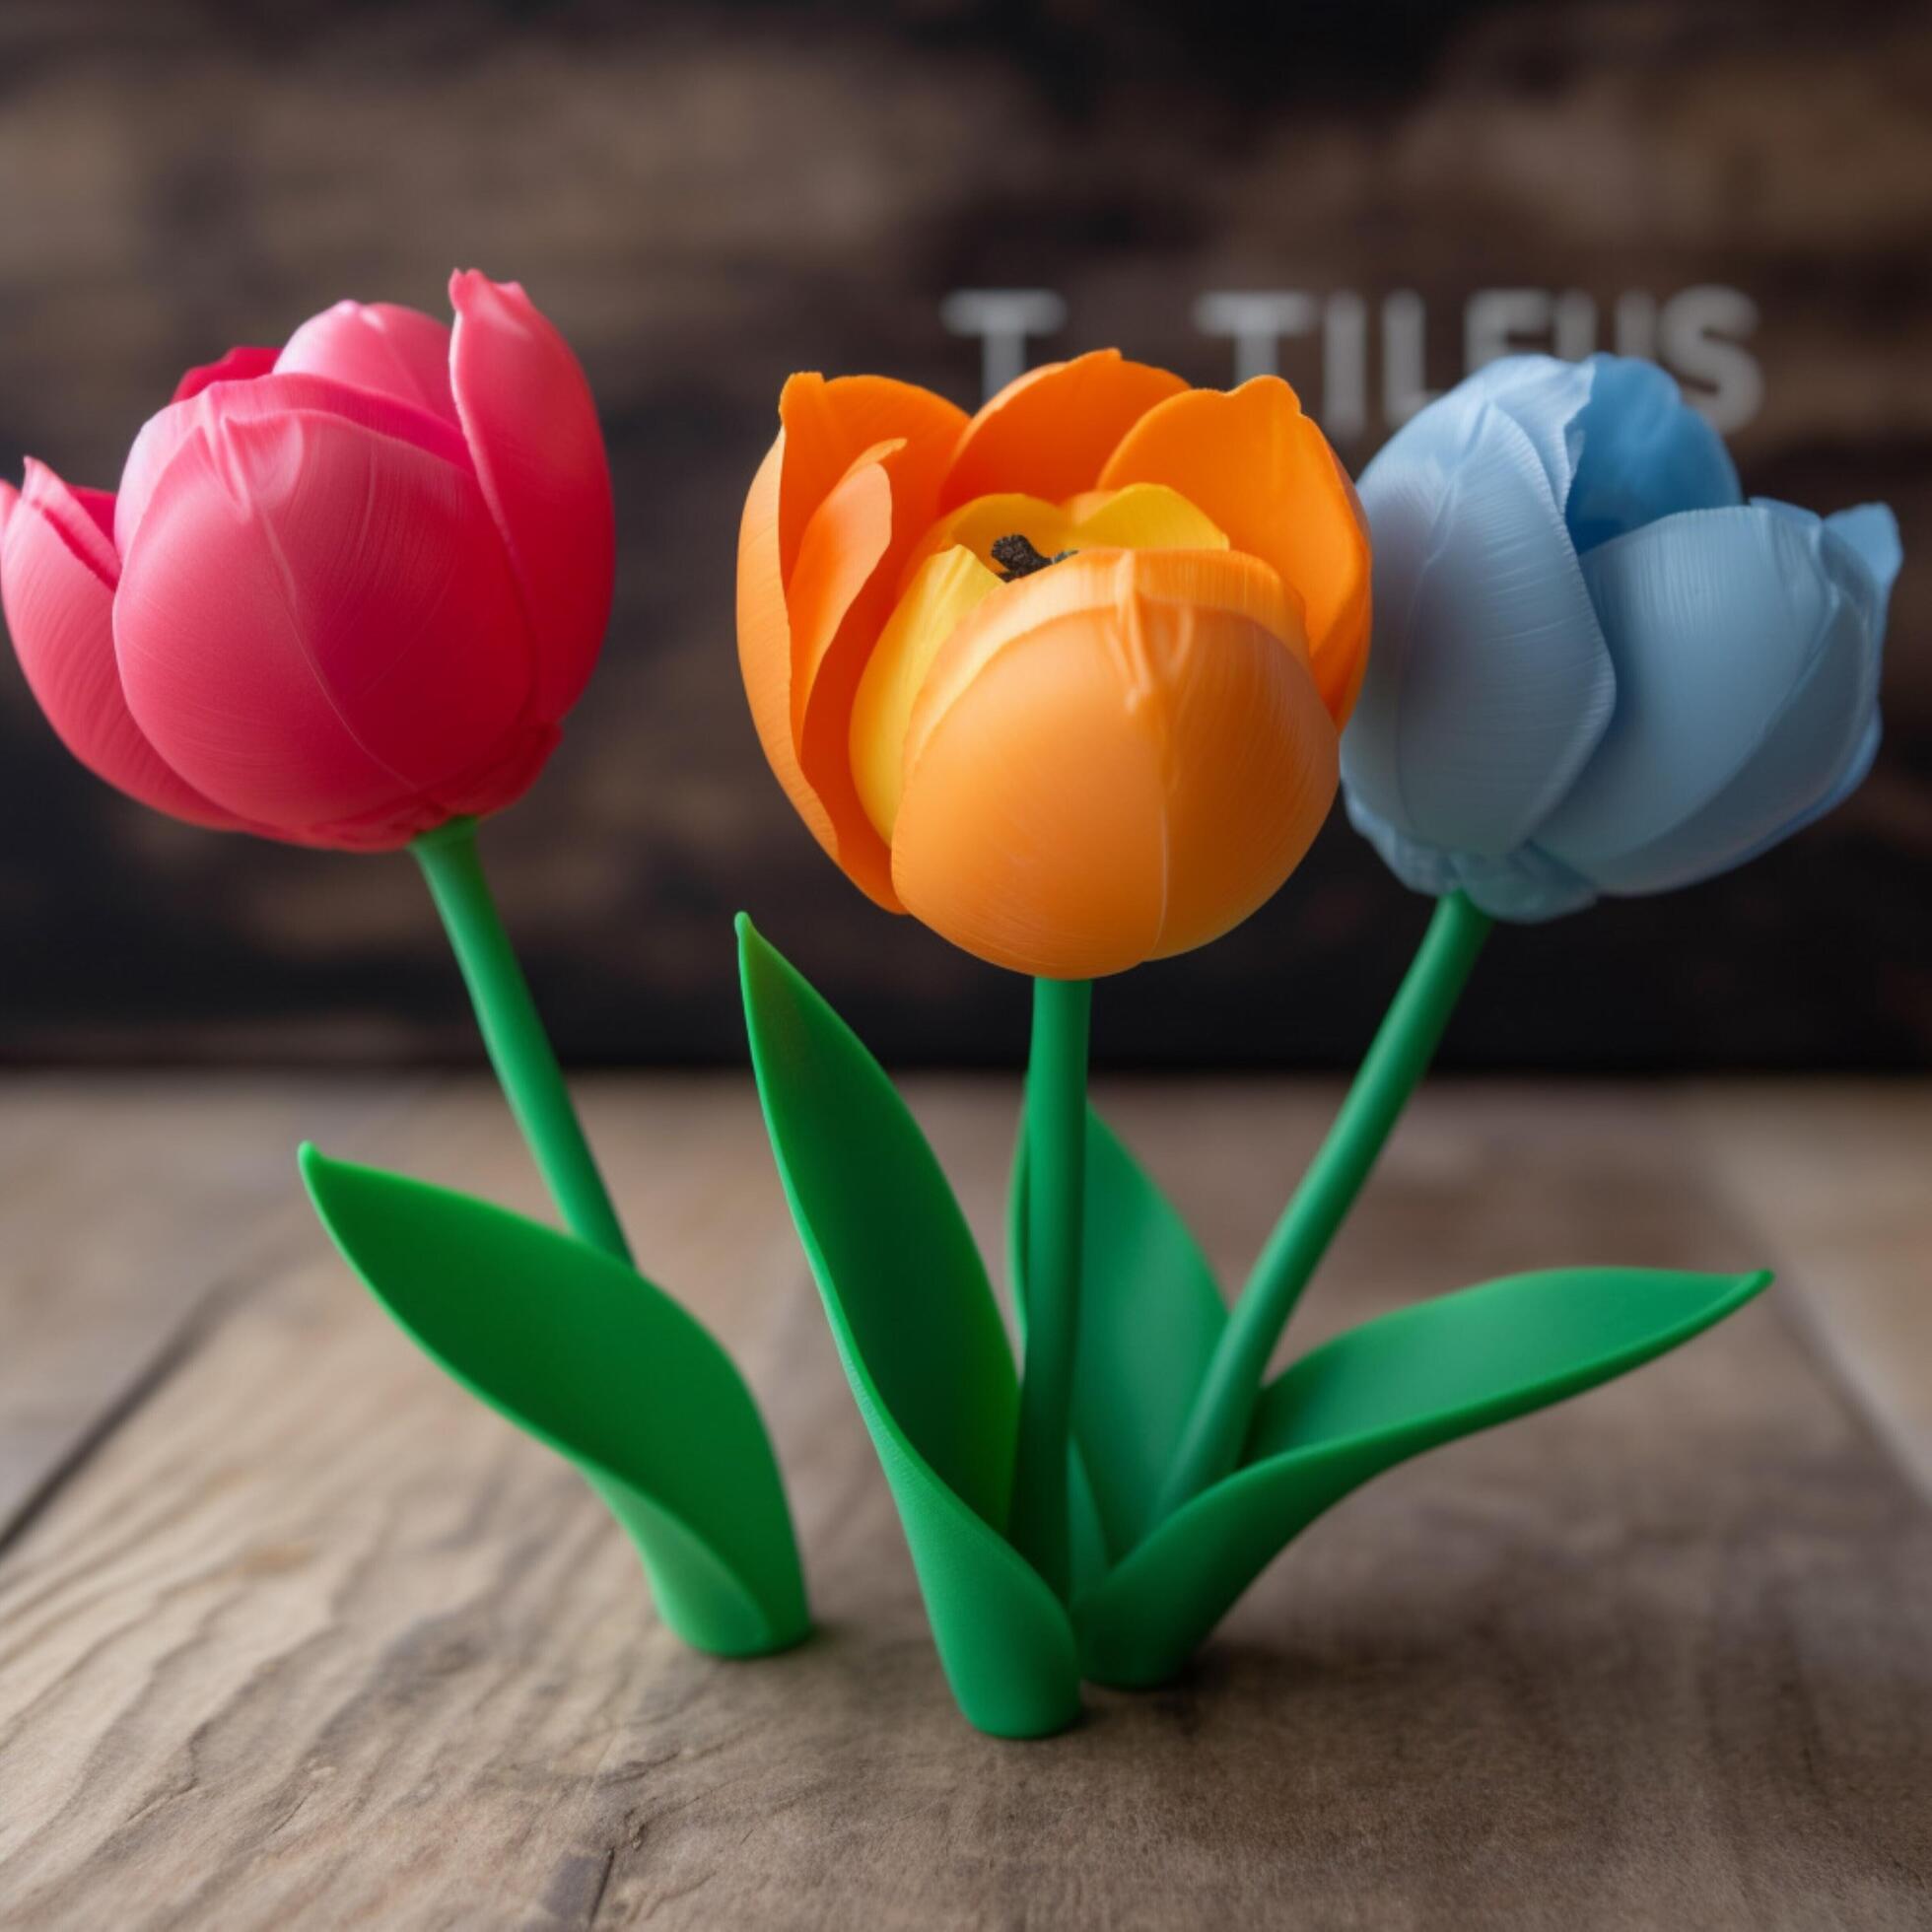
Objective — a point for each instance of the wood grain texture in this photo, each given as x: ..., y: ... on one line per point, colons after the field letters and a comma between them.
x: 311, y: 1640
x: 1840, y: 1180
x: 118, y: 1230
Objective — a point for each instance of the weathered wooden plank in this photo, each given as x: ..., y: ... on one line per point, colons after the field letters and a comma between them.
x: 126, y: 1202
x: 314, y: 1639
x: 1840, y: 1178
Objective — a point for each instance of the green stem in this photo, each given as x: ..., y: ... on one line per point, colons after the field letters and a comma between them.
x: 518, y: 1047
x: 1056, y: 1200
x: 1403, y: 1045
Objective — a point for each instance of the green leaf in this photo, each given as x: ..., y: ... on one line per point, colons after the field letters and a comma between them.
x: 1367, y: 1400
x: 920, y: 1338
x: 587, y: 1357
x: 1150, y: 1316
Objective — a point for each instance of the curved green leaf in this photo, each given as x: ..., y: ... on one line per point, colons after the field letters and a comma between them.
x: 1150, y: 1316
x: 920, y: 1338
x: 591, y: 1359
x: 1373, y: 1398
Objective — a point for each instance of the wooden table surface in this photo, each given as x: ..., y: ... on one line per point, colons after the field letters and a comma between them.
x: 292, y: 1632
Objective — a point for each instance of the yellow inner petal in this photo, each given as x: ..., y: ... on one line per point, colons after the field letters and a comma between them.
x: 953, y: 569
x: 942, y: 591
x: 1087, y: 501
x: 1141, y: 517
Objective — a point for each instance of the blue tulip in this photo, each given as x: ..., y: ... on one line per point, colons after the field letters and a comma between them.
x: 1597, y: 668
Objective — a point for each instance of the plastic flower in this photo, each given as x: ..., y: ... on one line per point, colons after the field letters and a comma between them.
x: 345, y: 592
x: 1597, y: 668
x: 1062, y: 680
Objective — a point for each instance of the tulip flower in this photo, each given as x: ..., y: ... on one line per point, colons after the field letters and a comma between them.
x: 1597, y: 669
x: 1062, y: 680
x: 344, y: 598
x: 345, y: 592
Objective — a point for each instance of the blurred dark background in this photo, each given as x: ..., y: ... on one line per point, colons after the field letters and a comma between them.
x: 708, y: 196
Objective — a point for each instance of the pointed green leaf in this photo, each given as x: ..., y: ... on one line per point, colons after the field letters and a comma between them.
x: 1367, y: 1400
x: 1150, y: 1316
x: 587, y: 1357
x: 921, y: 1342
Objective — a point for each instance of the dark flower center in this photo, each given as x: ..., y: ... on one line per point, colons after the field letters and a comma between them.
x: 1017, y: 557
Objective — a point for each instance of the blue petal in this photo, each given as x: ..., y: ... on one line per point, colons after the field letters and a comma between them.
x: 1746, y: 672
x: 1489, y: 682
x: 1641, y: 454
x: 1772, y: 797
x: 1545, y: 398
x: 1820, y: 748
x: 1615, y: 437
x: 1525, y: 885
x: 1871, y: 532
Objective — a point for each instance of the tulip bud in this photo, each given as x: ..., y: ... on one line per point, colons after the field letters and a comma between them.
x: 1063, y: 681
x: 345, y: 592
x: 1597, y: 668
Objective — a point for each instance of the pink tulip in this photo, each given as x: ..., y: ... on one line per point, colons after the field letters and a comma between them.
x: 345, y: 592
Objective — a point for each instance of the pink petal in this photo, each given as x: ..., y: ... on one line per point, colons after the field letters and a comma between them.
x: 533, y: 429
x: 241, y: 365
x: 380, y: 346
x: 317, y: 624
x: 100, y: 507
x: 60, y: 611
x: 162, y: 436
x: 509, y: 772
x: 84, y: 519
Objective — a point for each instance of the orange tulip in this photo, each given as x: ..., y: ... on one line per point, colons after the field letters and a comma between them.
x: 1065, y: 680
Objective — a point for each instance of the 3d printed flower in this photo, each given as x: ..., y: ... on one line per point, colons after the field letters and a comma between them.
x: 343, y: 598
x: 1062, y: 680
x: 1597, y: 668
x: 346, y: 591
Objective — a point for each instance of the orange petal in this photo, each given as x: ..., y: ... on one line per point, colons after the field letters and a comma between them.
x: 838, y: 602
x: 765, y: 643
x: 844, y: 543
x: 827, y: 425
x: 880, y: 446
x: 1048, y: 434
x: 1215, y: 578
x: 1253, y: 463
x: 1115, y: 759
